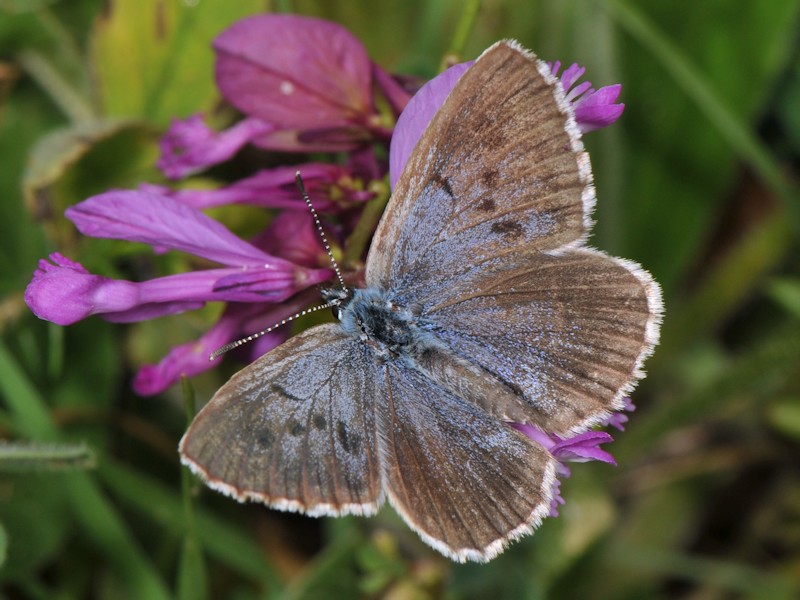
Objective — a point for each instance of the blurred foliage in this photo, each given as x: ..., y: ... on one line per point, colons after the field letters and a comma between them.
x: 697, y: 182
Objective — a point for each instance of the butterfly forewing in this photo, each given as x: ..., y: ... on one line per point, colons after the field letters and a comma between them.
x: 466, y: 482
x: 499, y: 168
x: 295, y: 429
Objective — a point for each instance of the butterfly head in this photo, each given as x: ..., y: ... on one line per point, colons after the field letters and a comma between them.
x: 338, y: 299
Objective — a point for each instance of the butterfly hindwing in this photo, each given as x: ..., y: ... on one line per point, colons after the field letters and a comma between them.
x: 296, y: 429
x: 568, y: 332
x: 466, y: 482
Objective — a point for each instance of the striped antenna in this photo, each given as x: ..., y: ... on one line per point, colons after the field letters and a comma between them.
x: 231, y: 345
x: 299, y: 180
x: 235, y: 344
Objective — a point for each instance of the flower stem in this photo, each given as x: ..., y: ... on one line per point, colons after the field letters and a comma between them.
x: 355, y: 244
x: 31, y: 457
x: 464, y: 28
x: 60, y: 91
x: 707, y: 100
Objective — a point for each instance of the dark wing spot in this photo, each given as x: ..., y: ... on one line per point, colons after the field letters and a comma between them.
x: 487, y: 205
x: 351, y: 442
x: 319, y: 422
x: 282, y: 391
x: 295, y: 428
x: 265, y: 438
x: 490, y: 178
x: 444, y: 183
x: 495, y: 140
x: 509, y: 229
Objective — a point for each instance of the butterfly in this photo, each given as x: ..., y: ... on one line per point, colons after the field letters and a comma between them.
x: 482, y: 306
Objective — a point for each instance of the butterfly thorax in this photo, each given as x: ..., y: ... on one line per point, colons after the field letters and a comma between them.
x: 391, y: 330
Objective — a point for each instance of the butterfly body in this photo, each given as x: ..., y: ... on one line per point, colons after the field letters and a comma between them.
x: 392, y: 331
x: 482, y: 305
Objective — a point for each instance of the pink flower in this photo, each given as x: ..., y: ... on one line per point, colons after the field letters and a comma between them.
x: 304, y: 84
x: 252, y: 280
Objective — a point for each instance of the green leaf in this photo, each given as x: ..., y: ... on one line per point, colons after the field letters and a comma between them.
x: 192, y: 578
x: 784, y: 415
x: 26, y: 457
x: 692, y: 96
x: 154, y: 58
x: 70, y: 164
x: 332, y: 574
x: 35, y: 515
x: 3, y: 544
x: 221, y: 540
x: 786, y: 292
x: 97, y: 517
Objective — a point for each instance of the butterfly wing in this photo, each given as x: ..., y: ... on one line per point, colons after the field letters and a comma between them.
x: 295, y: 429
x: 567, y: 332
x: 500, y: 167
x: 485, y: 233
x: 463, y: 480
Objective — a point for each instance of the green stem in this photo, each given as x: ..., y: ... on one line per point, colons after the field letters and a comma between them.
x: 55, y: 350
x: 153, y: 101
x: 68, y: 49
x: 717, y: 112
x: 464, y: 27
x: 27, y: 457
x: 186, y: 476
x: 726, y: 286
x: 192, y: 577
x: 355, y: 245
x: 61, y: 92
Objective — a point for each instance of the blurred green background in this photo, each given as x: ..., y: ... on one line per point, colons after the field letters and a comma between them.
x: 697, y: 182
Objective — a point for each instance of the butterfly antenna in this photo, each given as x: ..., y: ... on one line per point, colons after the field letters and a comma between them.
x: 299, y: 180
x: 235, y: 344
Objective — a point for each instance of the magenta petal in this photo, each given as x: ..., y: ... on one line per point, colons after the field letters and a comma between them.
x: 146, y: 312
x: 272, y: 285
x: 272, y: 188
x: 618, y: 419
x: 395, y: 94
x: 187, y: 359
x: 418, y: 113
x: 190, y: 145
x: 557, y: 499
x: 193, y: 358
x: 570, y: 75
x: 293, y: 235
x: 163, y: 222
x: 578, y: 448
x: 294, y: 71
x: 584, y: 447
x: 597, y: 109
x: 536, y: 434
x: 64, y: 292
